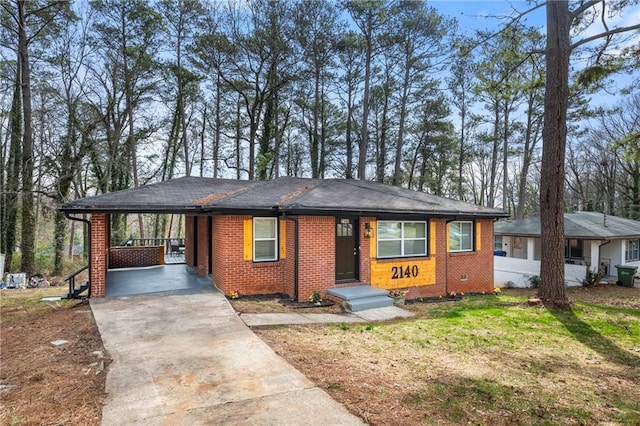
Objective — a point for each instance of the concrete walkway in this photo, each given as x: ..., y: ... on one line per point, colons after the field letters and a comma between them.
x: 188, y: 359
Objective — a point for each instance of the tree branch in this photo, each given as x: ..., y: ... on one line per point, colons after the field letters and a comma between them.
x: 582, y: 8
x: 603, y: 35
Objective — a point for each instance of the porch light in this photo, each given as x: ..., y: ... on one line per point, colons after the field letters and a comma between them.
x: 367, y: 230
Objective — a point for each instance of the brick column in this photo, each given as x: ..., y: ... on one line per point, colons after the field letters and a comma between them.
x: 99, y: 250
x: 202, y: 262
x: 189, y: 241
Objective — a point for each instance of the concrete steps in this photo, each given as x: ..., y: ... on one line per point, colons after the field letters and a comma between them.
x: 362, y: 297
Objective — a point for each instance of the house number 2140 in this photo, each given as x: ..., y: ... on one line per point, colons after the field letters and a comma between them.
x: 399, y: 272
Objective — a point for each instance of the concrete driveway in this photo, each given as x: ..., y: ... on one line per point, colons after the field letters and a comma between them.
x: 187, y: 359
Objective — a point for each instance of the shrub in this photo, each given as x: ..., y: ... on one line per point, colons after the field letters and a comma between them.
x: 316, y: 297
x: 592, y: 278
x: 534, y: 281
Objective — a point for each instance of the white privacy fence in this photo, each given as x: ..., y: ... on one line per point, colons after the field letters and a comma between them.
x: 518, y: 271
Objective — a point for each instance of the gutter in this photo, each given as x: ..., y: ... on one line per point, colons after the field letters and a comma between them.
x: 446, y: 256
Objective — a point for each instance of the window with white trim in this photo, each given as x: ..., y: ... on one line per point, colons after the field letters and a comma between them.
x: 497, y: 243
x: 632, y: 250
x: 401, y: 239
x: 265, y: 239
x: 460, y: 236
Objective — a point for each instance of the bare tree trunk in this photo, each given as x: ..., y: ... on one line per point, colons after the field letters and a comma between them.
x: 238, y: 140
x: 28, y: 215
x: 364, y: 136
x: 9, y: 223
x: 554, y: 134
x: 349, y: 136
x: 397, y: 168
x: 218, y: 131
x: 531, y: 136
x: 491, y: 197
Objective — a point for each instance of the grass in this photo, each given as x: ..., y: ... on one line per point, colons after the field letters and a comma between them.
x: 17, y: 304
x: 488, y: 360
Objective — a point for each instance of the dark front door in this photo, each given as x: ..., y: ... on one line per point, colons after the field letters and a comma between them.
x: 346, y: 249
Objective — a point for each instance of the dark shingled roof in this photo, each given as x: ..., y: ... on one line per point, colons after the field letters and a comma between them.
x: 291, y: 195
x: 583, y: 225
x: 181, y: 195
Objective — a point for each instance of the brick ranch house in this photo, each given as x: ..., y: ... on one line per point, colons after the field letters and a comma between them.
x: 297, y: 235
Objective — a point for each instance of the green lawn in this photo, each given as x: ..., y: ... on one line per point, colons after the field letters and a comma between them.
x: 484, y: 360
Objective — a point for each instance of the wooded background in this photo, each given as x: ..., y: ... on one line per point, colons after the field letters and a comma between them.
x: 99, y: 96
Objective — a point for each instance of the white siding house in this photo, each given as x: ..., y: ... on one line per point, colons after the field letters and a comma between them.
x: 592, y: 240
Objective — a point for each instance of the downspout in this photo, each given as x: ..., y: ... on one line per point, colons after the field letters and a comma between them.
x: 88, y: 223
x: 446, y: 256
x: 600, y: 255
x: 296, y: 252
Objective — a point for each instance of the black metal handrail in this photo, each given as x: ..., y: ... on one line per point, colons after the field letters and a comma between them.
x: 72, y: 282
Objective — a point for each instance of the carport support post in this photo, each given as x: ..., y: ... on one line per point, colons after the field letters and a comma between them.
x: 99, y: 253
x: 531, y: 248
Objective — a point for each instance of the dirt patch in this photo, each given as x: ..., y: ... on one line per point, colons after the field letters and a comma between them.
x: 281, y: 303
x: 42, y: 384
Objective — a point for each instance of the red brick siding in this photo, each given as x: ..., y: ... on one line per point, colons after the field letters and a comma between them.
x: 202, y: 262
x: 317, y: 255
x: 477, y: 266
x: 232, y: 272
x: 99, y: 254
x: 132, y: 257
x: 188, y: 241
x: 289, y: 266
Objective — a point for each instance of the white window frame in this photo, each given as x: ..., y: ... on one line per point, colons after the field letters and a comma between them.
x: 498, y: 245
x: 274, y: 239
x: 402, y: 239
x: 632, y: 250
x: 471, y: 240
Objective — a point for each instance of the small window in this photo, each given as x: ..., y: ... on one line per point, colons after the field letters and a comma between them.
x: 461, y: 236
x: 632, y: 250
x: 401, y: 239
x: 497, y: 243
x: 265, y: 239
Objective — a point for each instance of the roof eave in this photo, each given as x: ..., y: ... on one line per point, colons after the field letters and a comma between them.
x: 130, y: 209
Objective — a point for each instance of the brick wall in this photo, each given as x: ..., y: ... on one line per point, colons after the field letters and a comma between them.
x: 317, y: 255
x: 202, y: 262
x: 232, y: 272
x: 188, y: 241
x: 99, y: 253
x: 289, y: 267
x: 473, y: 271
x: 132, y: 257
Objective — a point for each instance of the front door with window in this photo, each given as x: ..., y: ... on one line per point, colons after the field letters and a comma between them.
x: 346, y: 249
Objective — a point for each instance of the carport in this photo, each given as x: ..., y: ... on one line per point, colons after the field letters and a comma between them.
x: 183, y: 196
x: 176, y: 279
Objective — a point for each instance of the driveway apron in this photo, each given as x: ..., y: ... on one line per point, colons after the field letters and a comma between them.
x: 187, y: 359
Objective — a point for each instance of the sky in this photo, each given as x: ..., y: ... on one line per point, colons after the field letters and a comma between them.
x: 486, y: 15
x: 489, y: 15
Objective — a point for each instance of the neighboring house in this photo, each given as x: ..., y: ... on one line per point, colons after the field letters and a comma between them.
x: 592, y: 240
x: 297, y: 236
